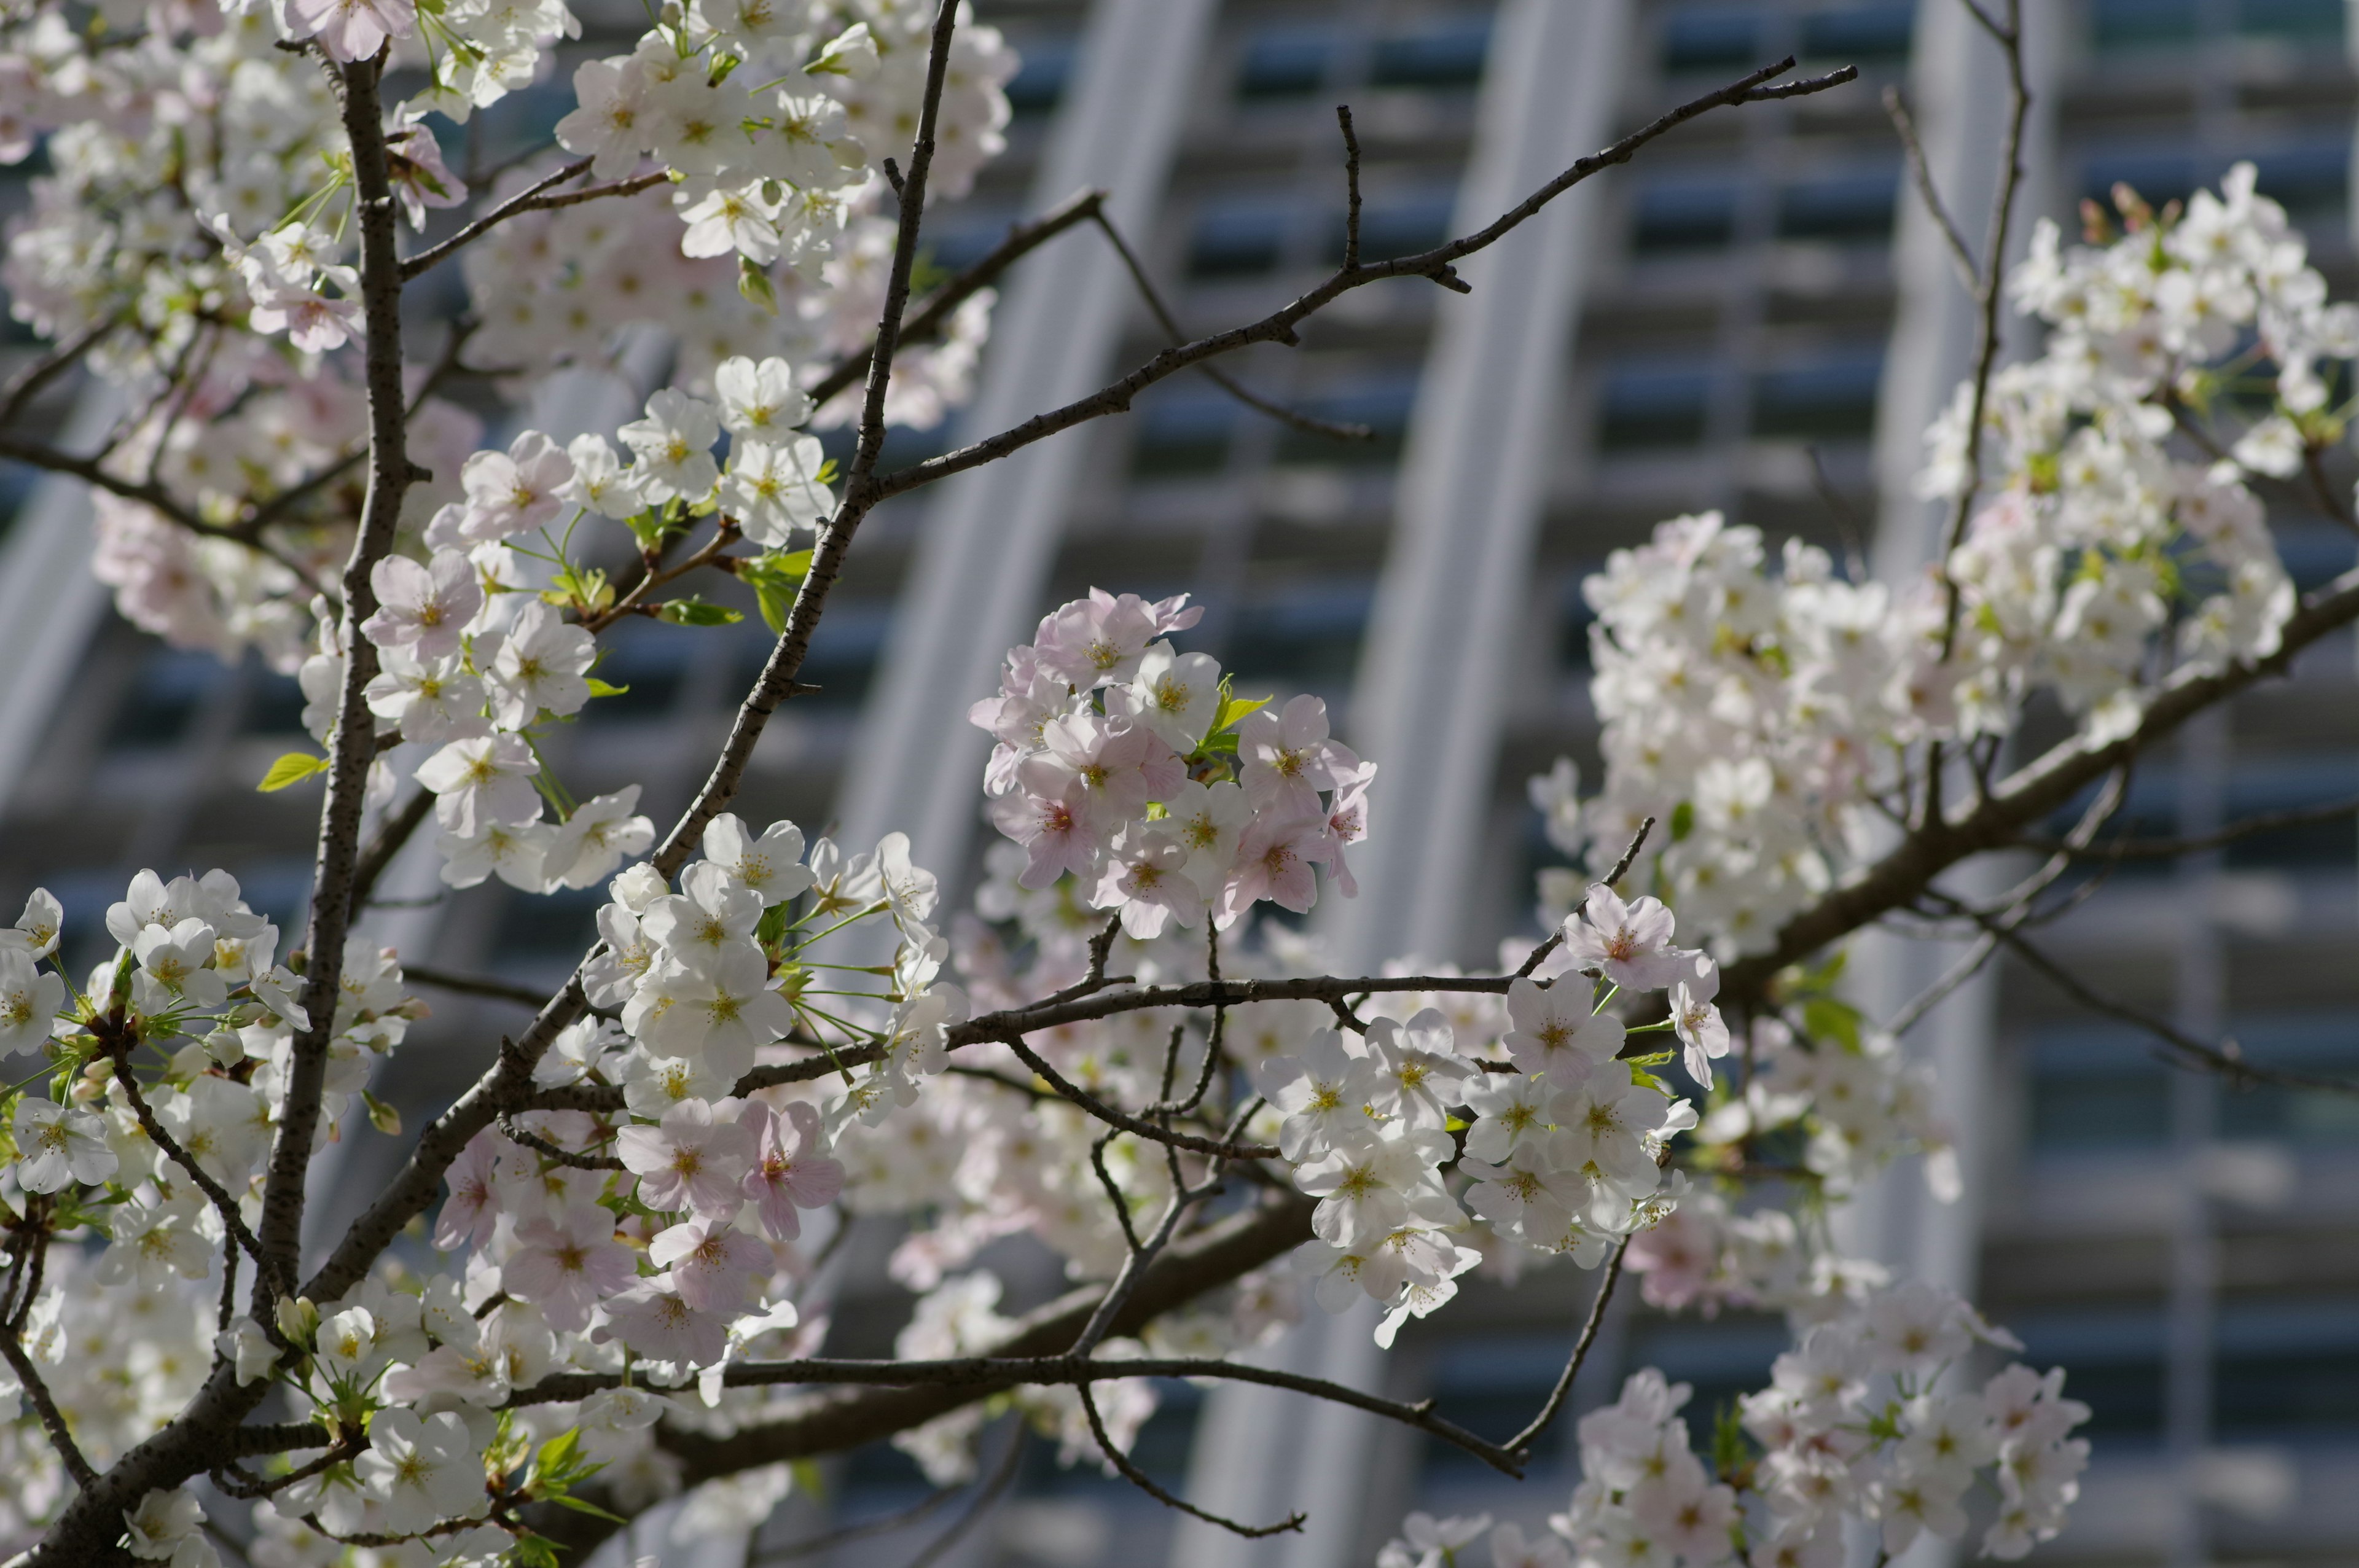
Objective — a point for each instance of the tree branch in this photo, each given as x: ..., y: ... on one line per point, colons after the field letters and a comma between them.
x: 1520, y: 1445
x: 1279, y: 326
x: 534, y: 198
x: 1022, y: 240
x: 1960, y: 253
x: 2195, y: 844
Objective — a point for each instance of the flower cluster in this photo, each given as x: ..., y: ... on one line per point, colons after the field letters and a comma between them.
x: 1765, y: 711
x: 1854, y: 1425
x: 1130, y: 766
x: 1565, y: 1142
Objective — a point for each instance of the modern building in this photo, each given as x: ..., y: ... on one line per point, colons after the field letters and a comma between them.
x: 1755, y: 316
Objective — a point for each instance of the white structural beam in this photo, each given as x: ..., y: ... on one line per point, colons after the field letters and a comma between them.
x: 1429, y: 701
x: 989, y: 542
x: 48, y: 600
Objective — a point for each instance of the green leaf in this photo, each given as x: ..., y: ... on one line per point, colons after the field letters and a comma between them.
x: 1835, y: 1021
x: 1234, y: 708
x: 600, y: 688
x: 806, y: 1477
x: 775, y: 578
x: 584, y: 1506
x: 696, y: 610
x: 1682, y: 820
x: 291, y: 769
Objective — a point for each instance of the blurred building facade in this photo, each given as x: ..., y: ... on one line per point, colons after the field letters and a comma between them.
x: 1754, y: 317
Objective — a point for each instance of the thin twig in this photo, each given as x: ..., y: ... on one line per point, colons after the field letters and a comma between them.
x: 1278, y: 326
x: 224, y: 1205
x: 1520, y: 1445
x: 2195, y: 844
x: 391, y: 834
x: 33, y: 377
x: 1147, y: 1484
x: 2228, y: 1059
x: 1350, y: 187
x: 472, y: 985
x: 1127, y: 1123
x: 1960, y: 253
x: 563, y: 1156
x: 1299, y: 420
x: 534, y: 198
x: 1021, y: 239
x: 1002, y: 1475
x: 1621, y: 868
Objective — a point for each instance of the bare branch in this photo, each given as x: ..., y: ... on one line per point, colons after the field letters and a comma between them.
x: 1960, y: 253
x: 1127, y: 1123
x: 535, y: 198
x: 1279, y: 326
x: 563, y: 1156
x: 1002, y: 1476
x: 2196, y: 844
x: 1350, y: 187
x: 2226, y: 1059
x: 472, y: 985
x: 119, y: 1050
x: 1213, y: 373
x: 1145, y: 1483
x: 1520, y: 1445
x: 391, y: 835
x: 1022, y: 240
x: 45, y: 1406
x: 64, y: 357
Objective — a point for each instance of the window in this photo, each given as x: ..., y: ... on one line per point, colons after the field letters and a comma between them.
x: 1652, y: 407
x: 1859, y: 35
x: 1705, y: 39
x: 1381, y: 404
x: 162, y: 699
x: 1452, y: 55
x: 2117, y: 25
x: 1299, y: 638
x: 1831, y: 398
x: 1491, y: 1386
x: 641, y: 658
x: 2158, y: 175
x: 2317, y: 19
x: 1238, y: 238
x: 1720, y: 1361
x: 1039, y: 84
x: 274, y: 704
x: 2285, y: 1369
x: 1845, y: 207
x: 541, y: 932
x: 2309, y: 180
x: 1285, y: 62
x: 1182, y: 432
x: 2114, y: 1361
x: 1682, y: 215
x: 2099, y: 1088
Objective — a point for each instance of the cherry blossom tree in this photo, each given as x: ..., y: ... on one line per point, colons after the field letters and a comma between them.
x: 599, y: 1276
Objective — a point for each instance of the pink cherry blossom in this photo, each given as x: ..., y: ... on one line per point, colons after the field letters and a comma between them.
x: 694, y: 1159
x: 712, y: 1263
x: 791, y: 1170
x: 566, y: 1265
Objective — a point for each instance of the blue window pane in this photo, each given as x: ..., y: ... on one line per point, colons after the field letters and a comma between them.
x: 1238, y: 239
x: 538, y: 930
x: 2320, y: 20
x: 1677, y: 215
x: 1710, y: 37
x: 2114, y: 1361
x: 274, y: 704
x: 1834, y: 398
x: 1849, y: 208
x: 2287, y: 1369
x: 645, y: 661
x: 2307, y: 179
x: 1448, y: 56
x: 1285, y: 62
x: 1383, y: 407
x: 1039, y: 84
x: 2158, y: 176
x: 2141, y: 24
x: 1860, y: 34
x: 1182, y: 432
x: 1300, y: 639
x: 163, y: 698
x: 1639, y: 408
